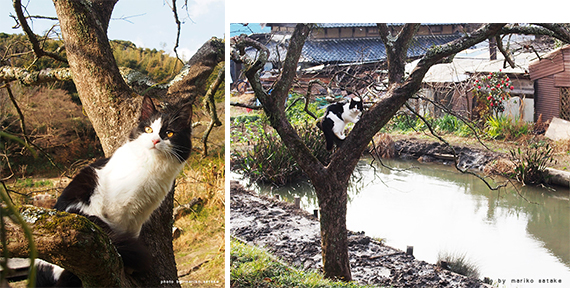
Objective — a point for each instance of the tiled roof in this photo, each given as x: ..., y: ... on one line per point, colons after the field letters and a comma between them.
x: 346, y: 50
x: 351, y: 50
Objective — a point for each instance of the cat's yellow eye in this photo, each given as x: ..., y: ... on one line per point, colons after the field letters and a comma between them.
x: 169, y: 134
x: 147, y: 129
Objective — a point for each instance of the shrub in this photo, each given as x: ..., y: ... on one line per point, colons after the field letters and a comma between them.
x: 531, y: 163
x: 491, y: 90
x: 448, y: 123
x: 503, y: 127
x: 269, y: 160
x: 458, y: 263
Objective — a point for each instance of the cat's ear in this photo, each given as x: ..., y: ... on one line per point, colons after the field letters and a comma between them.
x: 147, y: 109
x: 185, y: 112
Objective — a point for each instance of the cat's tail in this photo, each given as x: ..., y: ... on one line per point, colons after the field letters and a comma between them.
x: 134, y: 253
x: 51, y: 275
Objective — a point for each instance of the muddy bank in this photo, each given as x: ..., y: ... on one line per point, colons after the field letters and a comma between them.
x: 427, y: 151
x: 294, y: 236
x: 468, y: 158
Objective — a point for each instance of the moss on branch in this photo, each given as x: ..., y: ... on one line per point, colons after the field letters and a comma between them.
x: 70, y: 241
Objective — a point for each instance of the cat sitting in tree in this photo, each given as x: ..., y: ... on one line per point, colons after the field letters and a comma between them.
x: 120, y: 193
x: 336, y: 117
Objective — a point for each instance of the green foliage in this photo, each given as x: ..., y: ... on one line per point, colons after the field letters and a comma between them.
x: 156, y: 64
x: 530, y: 164
x: 253, y: 267
x: 447, y: 123
x: 491, y: 90
x: 18, y: 44
x: 267, y: 159
x: 295, y: 110
x: 503, y: 127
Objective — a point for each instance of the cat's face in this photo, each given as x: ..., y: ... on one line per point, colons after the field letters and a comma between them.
x: 356, y: 104
x: 167, y: 133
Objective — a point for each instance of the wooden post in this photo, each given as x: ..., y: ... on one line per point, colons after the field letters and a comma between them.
x: 297, y: 201
x: 410, y: 250
x: 316, y: 213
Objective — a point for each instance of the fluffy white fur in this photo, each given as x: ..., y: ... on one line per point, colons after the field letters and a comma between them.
x: 349, y: 115
x: 134, y: 182
x: 56, y: 269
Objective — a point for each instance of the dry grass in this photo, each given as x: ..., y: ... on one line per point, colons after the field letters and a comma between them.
x: 200, y: 248
x: 561, y: 149
x: 384, y: 146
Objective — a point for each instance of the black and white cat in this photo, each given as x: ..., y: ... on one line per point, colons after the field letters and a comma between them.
x: 336, y: 117
x: 120, y: 193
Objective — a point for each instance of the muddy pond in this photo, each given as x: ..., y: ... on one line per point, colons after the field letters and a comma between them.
x: 521, y: 239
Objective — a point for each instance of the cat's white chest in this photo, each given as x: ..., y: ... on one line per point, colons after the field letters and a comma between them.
x: 132, y: 185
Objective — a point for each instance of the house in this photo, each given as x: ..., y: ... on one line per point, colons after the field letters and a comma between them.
x: 551, y: 76
x: 360, y: 43
x: 451, y: 84
x: 338, y: 46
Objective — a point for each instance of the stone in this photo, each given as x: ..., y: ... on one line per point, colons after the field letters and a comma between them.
x: 559, y: 129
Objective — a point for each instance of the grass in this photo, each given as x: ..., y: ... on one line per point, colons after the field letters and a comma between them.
x: 200, y: 248
x: 254, y: 267
x: 458, y: 263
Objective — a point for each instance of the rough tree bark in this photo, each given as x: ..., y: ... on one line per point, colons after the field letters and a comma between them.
x: 331, y: 182
x: 113, y: 108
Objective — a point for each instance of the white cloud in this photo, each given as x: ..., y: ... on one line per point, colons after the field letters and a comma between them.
x: 198, y: 8
x: 184, y: 53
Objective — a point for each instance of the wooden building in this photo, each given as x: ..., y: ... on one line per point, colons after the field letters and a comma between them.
x: 551, y: 76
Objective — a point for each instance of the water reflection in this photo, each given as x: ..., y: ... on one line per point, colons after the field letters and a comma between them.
x: 437, y: 209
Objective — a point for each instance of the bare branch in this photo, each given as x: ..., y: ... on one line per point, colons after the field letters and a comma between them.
x: 308, y: 96
x: 210, y: 106
x: 38, y: 51
x: 551, y: 30
x: 8, y: 74
x: 455, y: 157
x: 253, y: 107
x: 178, y: 28
x: 505, y: 53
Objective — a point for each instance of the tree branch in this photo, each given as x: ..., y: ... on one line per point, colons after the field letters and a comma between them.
x: 210, y: 106
x: 191, y: 81
x: 8, y: 74
x: 455, y: 157
x: 253, y: 107
x: 308, y: 96
x: 545, y: 29
x: 178, y: 28
x: 72, y: 242
x: 38, y: 51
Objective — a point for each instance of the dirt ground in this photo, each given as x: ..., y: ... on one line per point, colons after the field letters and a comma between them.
x: 294, y: 235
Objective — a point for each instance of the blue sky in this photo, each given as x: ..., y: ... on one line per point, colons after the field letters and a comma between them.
x: 241, y: 28
x: 149, y: 23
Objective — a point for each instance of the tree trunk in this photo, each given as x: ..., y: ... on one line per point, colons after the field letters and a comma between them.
x: 332, y: 181
x: 109, y: 103
x: 334, y: 238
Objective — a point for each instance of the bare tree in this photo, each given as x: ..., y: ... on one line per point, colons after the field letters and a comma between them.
x: 331, y: 181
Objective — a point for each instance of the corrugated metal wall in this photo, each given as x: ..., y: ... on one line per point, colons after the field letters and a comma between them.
x: 547, y: 98
x: 552, y: 63
x: 563, y: 79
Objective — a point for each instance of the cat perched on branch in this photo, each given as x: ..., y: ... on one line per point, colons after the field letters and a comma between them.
x: 120, y: 193
x: 335, y: 119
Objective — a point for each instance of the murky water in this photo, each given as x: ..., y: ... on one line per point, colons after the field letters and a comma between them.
x: 436, y: 209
